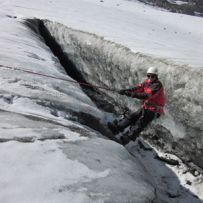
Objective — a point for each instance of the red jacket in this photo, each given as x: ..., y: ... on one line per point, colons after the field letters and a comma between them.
x: 152, y: 95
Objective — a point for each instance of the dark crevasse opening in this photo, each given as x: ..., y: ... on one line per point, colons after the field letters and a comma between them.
x: 93, y: 93
x: 37, y: 26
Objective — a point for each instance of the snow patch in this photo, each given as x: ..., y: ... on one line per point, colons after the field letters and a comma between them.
x: 44, y: 166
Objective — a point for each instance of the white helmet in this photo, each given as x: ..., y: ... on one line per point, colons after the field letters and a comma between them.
x: 152, y: 70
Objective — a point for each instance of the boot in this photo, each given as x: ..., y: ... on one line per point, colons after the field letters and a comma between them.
x: 125, y: 139
x: 133, y: 135
x: 113, y: 127
x: 128, y: 136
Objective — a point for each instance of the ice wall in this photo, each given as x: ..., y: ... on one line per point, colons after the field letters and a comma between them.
x: 105, y: 63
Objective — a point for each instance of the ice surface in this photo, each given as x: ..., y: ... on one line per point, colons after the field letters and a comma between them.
x: 46, y: 154
x: 112, y: 65
x: 39, y: 121
x: 135, y: 25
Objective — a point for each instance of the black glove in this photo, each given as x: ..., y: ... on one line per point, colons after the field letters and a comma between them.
x: 122, y: 92
x: 140, y: 95
x: 125, y: 92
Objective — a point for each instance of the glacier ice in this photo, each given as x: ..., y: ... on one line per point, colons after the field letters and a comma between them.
x: 108, y: 64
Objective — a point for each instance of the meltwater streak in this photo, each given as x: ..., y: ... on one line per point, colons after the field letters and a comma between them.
x: 108, y: 64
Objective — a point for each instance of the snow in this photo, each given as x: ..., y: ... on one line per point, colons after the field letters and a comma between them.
x: 132, y: 24
x: 64, y: 169
x: 39, y: 116
x: 46, y: 154
x: 166, y: 176
x: 38, y: 170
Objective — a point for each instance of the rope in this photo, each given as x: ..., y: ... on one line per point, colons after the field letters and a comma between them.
x: 57, y: 78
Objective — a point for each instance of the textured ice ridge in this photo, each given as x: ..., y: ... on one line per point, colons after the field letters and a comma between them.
x: 105, y: 63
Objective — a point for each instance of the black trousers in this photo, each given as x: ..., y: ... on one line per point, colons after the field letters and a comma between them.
x: 137, y: 121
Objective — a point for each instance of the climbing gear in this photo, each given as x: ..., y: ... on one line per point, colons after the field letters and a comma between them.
x: 152, y: 70
x: 57, y: 78
x: 156, y: 102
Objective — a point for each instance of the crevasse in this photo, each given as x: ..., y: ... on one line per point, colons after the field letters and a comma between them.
x: 108, y: 64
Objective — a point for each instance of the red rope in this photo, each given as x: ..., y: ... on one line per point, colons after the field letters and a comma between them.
x: 57, y: 78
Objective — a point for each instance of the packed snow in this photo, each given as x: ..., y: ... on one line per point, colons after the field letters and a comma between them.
x: 50, y: 150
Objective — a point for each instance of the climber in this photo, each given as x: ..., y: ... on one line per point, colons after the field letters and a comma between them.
x: 151, y: 93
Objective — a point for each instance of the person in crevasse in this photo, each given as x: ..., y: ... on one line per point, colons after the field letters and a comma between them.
x: 151, y: 92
